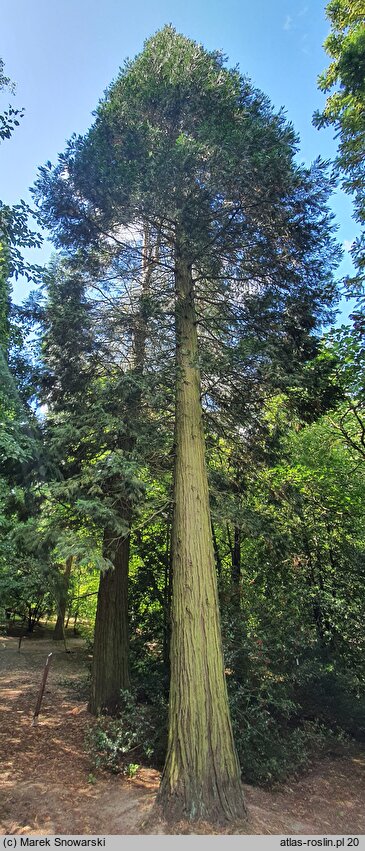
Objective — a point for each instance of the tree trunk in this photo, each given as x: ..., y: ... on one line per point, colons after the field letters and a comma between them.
x: 110, y: 669
x: 217, y: 555
x: 236, y: 557
x: 59, y: 631
x: 31, y: 621
x: 201, y: 778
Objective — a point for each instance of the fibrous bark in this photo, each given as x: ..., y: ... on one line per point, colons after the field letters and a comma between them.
x: 110, y: 669
x: 201, y: 778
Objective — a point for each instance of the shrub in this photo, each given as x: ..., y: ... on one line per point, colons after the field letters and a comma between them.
x: 138, y: 735
x: 271, y: 746
x: 332, y: 695
x: 286, y: 704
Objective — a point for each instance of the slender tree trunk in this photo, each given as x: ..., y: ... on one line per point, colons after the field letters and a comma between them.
x: 201, y: 778
x: 236, y: 557
x: 58, y: 632
x: 217, y: 555
x: 31, y: 621
x: 110, y: 669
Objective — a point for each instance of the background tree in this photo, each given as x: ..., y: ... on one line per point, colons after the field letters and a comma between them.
x: 345, y: 109
x: 15, y: 233
x: 81, y: 436
x: 94, y: 430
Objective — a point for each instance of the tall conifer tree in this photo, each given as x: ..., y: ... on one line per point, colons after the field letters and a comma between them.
x: 190, y: 149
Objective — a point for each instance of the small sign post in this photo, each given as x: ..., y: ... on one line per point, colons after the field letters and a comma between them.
x: 41, y: 690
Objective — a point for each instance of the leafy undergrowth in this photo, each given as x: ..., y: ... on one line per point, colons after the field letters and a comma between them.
x: 282, y: 724
x: 137, y: 737
x: 67, y: 795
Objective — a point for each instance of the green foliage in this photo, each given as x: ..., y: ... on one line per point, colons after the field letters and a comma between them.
x: 139, y: 733
x: 24, y: 567
x: 271, y: 749
x: 344, y: 348
x: 5, y: 292
x: 16, y: 234
x: 22, y: 574
x: 333, y: 694
x: 292, y: 606
x: 14, y: 228
x: 10, y: 118
x: 283, y: 716
x: 345, y: 107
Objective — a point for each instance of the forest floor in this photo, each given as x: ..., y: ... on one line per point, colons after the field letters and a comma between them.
x: 48, y: 785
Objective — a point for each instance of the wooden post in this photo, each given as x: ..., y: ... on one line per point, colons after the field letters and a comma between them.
x: 41, y: 690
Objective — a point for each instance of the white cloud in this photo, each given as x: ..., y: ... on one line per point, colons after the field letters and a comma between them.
x: 347, y: 244
x: 288, y: 23
x: 291, y: 22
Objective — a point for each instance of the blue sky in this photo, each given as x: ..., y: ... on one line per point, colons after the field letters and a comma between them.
x: 62, y: 55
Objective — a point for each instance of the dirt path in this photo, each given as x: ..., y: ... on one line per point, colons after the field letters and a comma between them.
x: 45, y: 782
